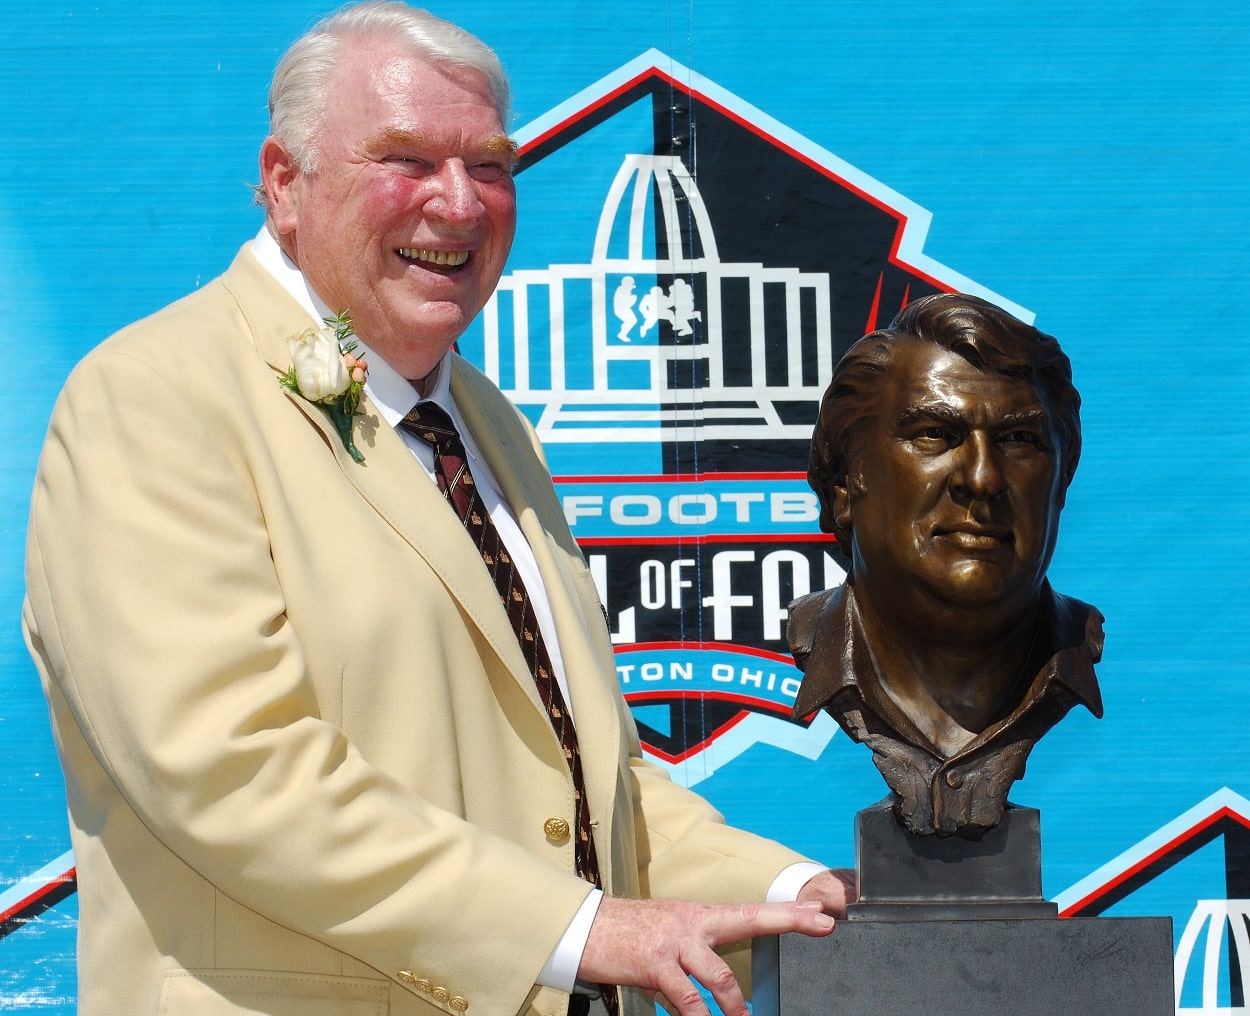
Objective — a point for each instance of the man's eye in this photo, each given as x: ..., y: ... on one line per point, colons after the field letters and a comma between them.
x: 488, y: 172
x: 409, y: 164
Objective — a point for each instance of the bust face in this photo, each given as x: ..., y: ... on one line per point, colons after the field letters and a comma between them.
x: 962, y: 492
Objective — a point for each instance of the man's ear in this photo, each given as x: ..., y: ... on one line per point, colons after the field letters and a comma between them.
x: 278, y: 173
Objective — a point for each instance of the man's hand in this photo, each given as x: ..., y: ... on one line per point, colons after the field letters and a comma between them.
x: 658, y: 945
x: 832, y: 889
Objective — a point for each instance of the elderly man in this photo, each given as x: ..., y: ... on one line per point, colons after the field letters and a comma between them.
x: 942, y: 457
x: 329, y: 679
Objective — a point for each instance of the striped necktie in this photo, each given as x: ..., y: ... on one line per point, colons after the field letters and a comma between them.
x: 451, y: 469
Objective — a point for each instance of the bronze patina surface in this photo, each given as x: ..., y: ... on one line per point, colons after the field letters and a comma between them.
x: 942, y: 458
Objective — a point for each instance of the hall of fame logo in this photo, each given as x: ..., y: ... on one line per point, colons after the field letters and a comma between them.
x: 688, y: 272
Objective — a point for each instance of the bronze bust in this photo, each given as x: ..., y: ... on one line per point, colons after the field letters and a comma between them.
x: 942, y: 457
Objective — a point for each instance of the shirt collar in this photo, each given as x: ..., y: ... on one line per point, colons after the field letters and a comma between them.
x: 1069, y: 634
x: 391, y: 392
x: 275, y: 261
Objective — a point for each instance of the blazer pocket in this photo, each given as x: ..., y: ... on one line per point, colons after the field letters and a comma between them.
x: 270, y: 993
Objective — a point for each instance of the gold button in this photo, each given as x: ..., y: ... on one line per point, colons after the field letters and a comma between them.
x: 556, y: 829
x: 459, y: 1004
x: 422, y: 985
x: 407, y: 975
x: 441, y: 994
x: 954, y: 779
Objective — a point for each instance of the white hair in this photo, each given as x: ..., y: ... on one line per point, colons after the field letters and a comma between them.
x: 297, y: 96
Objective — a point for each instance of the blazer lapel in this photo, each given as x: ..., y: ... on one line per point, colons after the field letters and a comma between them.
x: 389, y: 479
x: 523, y: 481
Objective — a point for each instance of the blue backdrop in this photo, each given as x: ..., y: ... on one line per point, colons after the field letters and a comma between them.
x: 1083, y: 163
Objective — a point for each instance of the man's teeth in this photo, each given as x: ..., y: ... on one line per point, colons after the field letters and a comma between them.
x: 448, y: 258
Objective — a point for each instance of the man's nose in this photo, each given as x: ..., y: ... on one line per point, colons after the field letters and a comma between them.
x: 979, y: 474
x: 455, y: 199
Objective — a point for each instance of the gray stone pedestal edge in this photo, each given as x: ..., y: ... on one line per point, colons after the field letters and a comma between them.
x: 1092, y: 966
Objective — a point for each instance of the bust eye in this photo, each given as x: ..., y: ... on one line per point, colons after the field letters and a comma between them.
x: 1022, y: 437
x: 936, y: 436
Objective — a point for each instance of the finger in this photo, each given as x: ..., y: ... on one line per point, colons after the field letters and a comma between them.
x: 729, y: 924
x: 716, y: 976
x: 834, y: 889
x: 660, y: 999
x: 679, y: 996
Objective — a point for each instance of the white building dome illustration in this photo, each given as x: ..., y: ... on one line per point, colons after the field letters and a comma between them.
x: 654, y: 292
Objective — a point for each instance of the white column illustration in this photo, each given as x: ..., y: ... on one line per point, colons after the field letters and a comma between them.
x: 1215, y: 918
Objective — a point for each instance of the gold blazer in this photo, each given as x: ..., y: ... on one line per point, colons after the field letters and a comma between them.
x: 307, y: 769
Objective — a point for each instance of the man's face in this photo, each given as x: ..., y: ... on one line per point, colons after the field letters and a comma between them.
x: 962, y: 495
x: 409, y: 215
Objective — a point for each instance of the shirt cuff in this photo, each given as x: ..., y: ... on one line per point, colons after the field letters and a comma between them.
x: 560, y: 970
x: 787, y: 885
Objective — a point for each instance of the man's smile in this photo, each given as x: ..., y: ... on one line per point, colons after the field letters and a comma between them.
x: 446, y: 260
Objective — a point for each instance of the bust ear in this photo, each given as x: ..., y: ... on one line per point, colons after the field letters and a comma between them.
x: 842, y: 506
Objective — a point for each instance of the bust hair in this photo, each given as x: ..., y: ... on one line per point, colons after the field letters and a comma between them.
x: 986, y: 336
x: 297, y: 95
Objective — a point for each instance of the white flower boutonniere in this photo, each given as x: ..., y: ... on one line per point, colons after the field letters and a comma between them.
x: 325, y: 370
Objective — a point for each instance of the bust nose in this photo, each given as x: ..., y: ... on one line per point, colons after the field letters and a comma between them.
x: 978, y: 474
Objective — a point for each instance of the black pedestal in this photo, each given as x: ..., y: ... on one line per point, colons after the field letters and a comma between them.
x: 1086, y: 966
x: 951, y: 926
x: 903, y: 877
